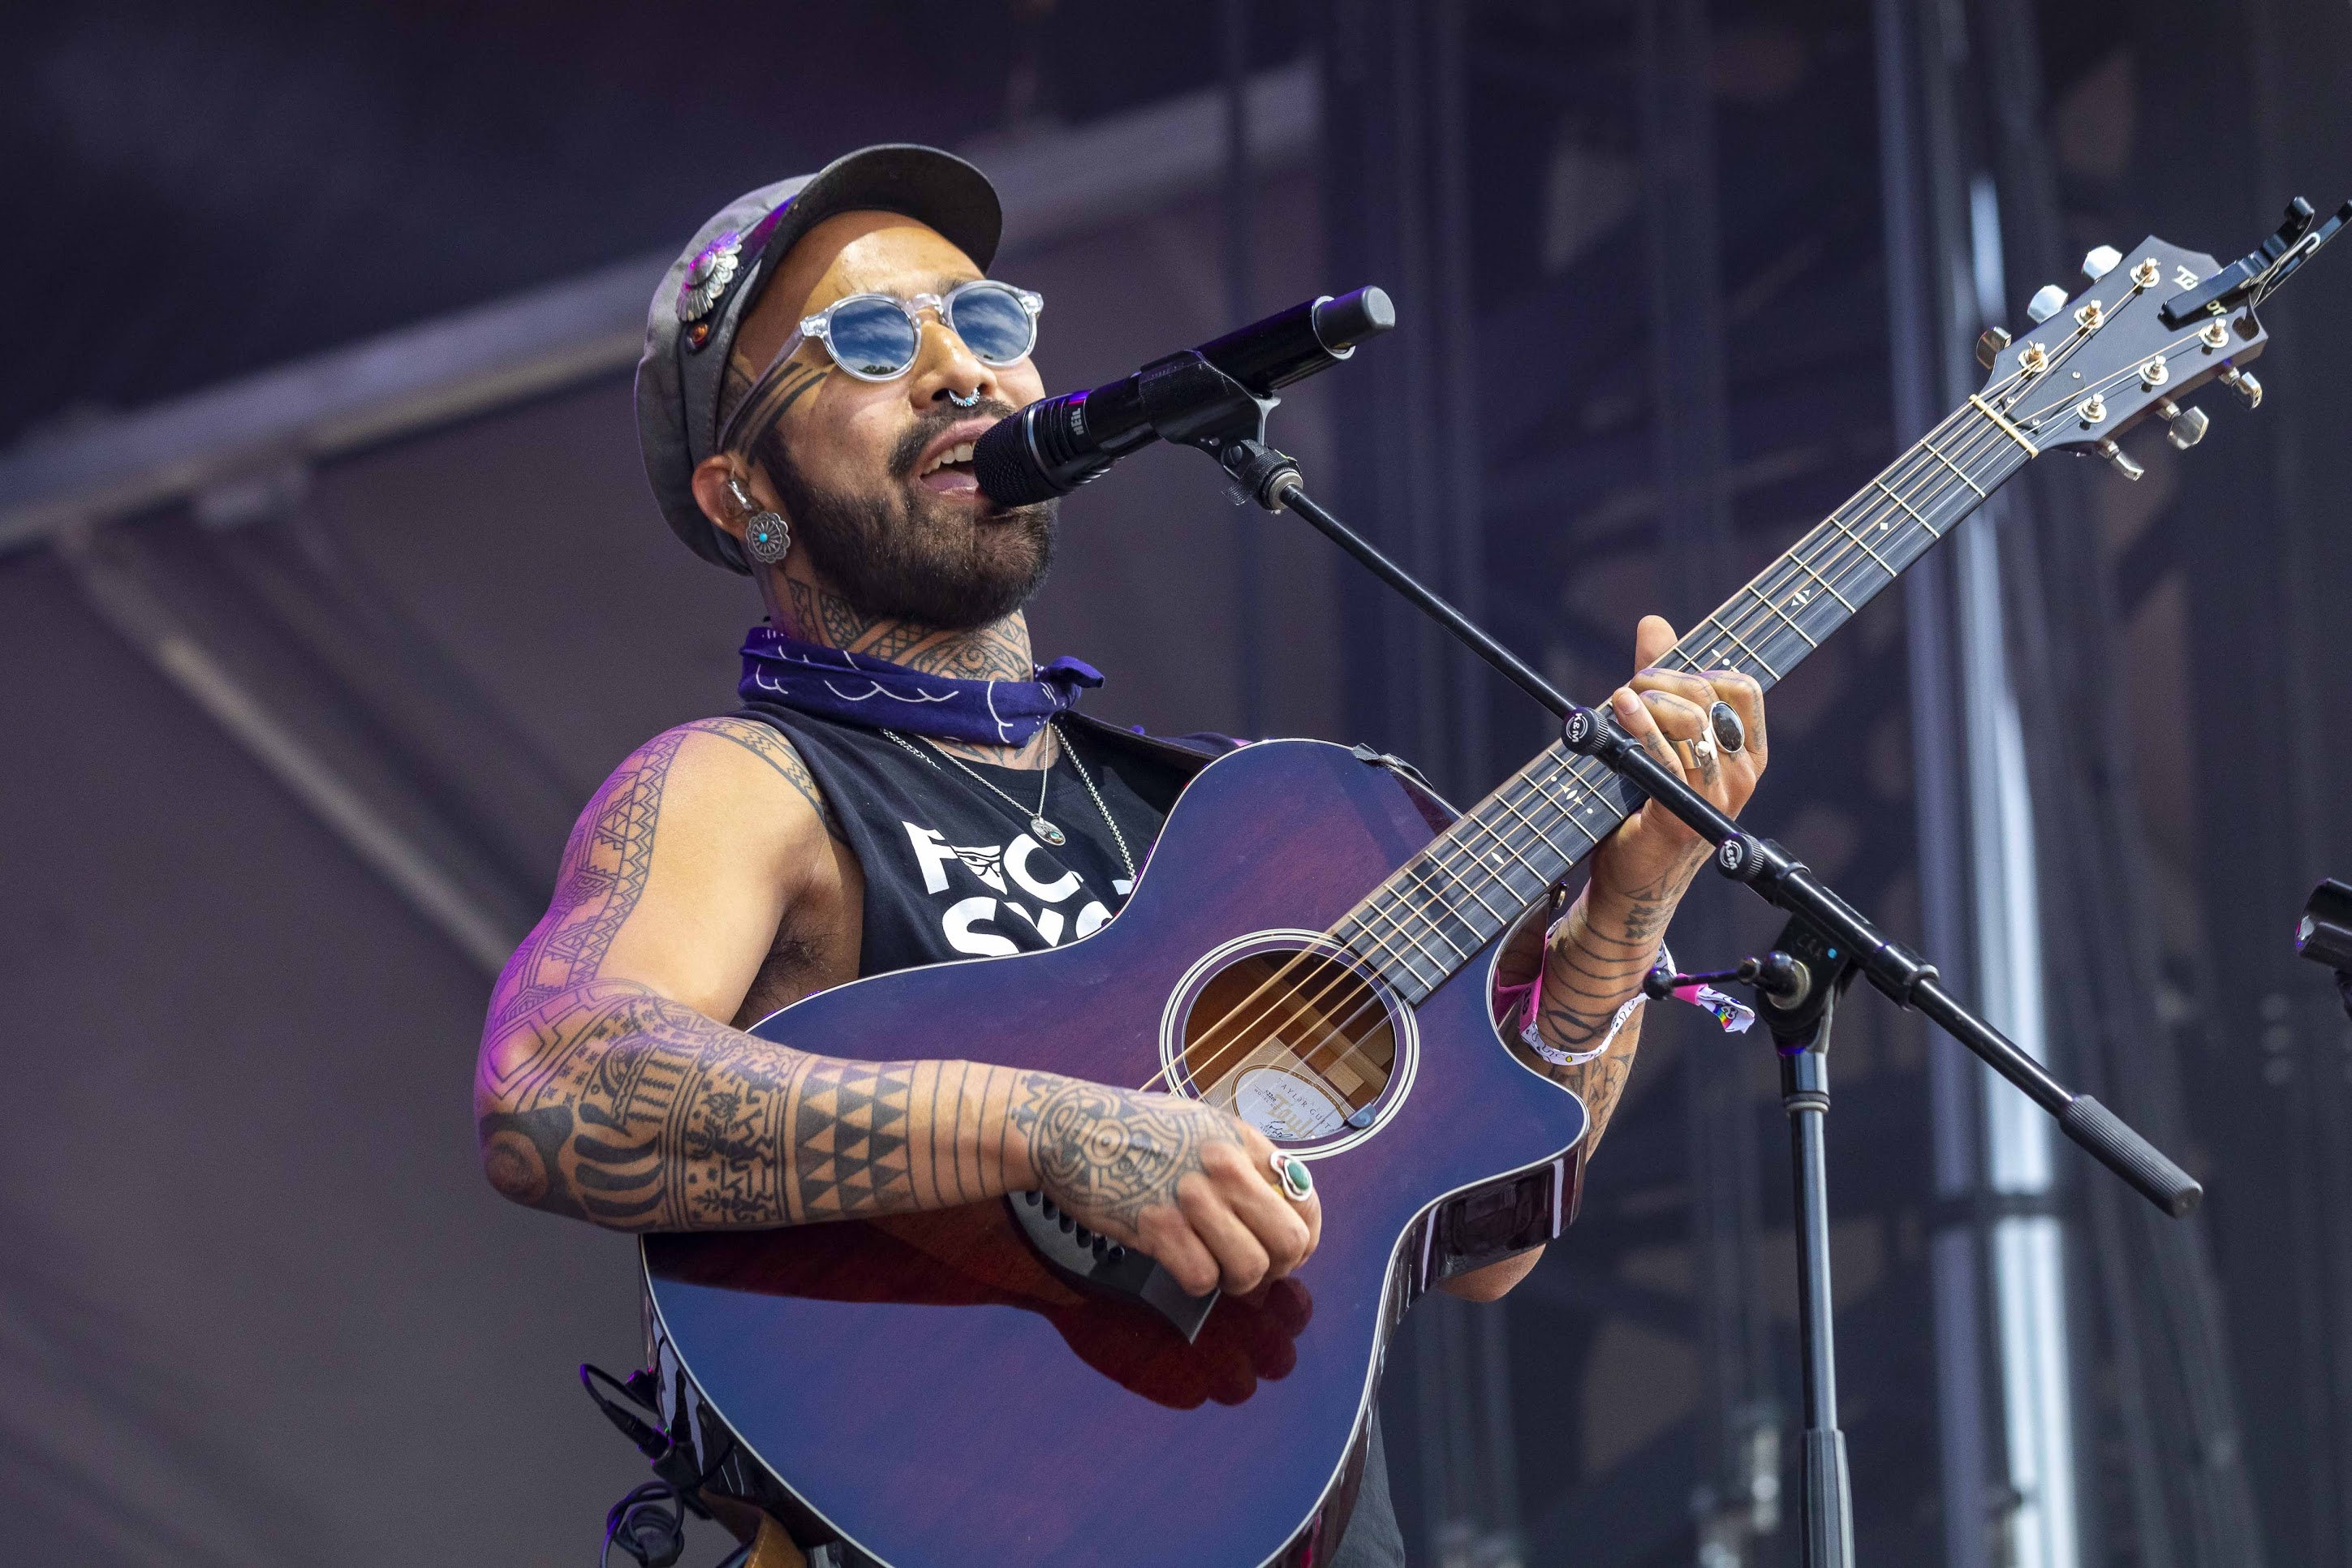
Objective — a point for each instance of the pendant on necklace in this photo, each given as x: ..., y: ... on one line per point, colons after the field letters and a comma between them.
x: 1046, y: 832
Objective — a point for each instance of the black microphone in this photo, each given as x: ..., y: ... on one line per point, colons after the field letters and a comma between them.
x: 2324, y: 933
x: 1057, y: 444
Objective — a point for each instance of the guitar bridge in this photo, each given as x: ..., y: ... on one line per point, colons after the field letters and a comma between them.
x: 1097, y: 1263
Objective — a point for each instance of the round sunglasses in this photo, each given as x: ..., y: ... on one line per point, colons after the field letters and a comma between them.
x: 876, y: 337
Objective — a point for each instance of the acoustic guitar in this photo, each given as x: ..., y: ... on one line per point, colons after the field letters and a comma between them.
x: 1312, y: 944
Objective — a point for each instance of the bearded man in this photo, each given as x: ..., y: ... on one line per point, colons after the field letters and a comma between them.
x: 904, y: 786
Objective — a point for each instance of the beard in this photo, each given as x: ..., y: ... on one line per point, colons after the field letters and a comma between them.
x: 906, y: 553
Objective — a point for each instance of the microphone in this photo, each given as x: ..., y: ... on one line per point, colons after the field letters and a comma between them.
x: 1057, y: 444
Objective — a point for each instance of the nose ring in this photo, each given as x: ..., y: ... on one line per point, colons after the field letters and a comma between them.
x: 971, y: 402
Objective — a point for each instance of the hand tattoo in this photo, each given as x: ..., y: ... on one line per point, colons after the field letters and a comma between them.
x: 1111, y: 1153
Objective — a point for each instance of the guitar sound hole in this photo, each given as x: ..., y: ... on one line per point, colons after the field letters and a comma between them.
x: 1294, y: 1044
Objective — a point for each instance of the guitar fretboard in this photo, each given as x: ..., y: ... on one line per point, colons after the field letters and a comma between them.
x: 1440, y: 907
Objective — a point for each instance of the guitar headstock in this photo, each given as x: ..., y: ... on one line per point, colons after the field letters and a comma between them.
x: 2151, y: 326
x: 2105, y: 360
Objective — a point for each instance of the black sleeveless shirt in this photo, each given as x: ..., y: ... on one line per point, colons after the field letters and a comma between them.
x: 954, y: 870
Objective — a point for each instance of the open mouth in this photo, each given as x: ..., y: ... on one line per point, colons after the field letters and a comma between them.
x: 948, y: 470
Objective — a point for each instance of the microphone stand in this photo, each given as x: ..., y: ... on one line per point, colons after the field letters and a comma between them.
x: 1832, y: 939
x: 1796, y: 987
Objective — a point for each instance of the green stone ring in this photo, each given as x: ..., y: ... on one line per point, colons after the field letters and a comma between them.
x: 1297, y: 1181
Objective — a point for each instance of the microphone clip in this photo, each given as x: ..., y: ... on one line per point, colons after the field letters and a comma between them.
x: 1797, y: 984
x: 1192, y: 402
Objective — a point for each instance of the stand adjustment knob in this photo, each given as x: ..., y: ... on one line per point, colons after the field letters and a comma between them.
x: 1989, y: 342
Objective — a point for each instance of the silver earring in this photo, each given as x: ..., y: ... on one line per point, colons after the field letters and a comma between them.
x: 767, y: 537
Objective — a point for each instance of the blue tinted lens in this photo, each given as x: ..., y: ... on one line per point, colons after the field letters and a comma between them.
x: 993, y: 324
x: 873, y: 338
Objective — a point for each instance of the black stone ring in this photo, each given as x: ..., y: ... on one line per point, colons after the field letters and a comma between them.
x: 1730, y: 734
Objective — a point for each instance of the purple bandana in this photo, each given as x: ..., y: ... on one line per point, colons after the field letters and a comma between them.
x: 857, y: 688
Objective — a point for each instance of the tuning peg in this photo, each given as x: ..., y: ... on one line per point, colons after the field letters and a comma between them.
x: 2047, y: 301
x: 1989, y: 342
x: 2120, y: 458
x: 2101, y: 260
x: 2187, y: 426
x: 2243, y: 384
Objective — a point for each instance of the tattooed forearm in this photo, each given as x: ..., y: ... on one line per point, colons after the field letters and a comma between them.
x: 616, y: 1105
x: 1594, y: 965
x: 602, y: 1099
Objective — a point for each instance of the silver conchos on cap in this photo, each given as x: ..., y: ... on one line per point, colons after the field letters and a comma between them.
x: 708, y: 275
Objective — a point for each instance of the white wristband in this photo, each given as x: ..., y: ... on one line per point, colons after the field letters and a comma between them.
x: 1559, y: 1058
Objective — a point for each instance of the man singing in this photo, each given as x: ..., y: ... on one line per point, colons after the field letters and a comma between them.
x: 904, y: 786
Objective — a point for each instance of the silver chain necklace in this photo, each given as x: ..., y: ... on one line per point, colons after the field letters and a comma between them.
x: 1046, y: 831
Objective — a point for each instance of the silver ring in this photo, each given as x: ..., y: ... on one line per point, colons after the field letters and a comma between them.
x: 971, y: 402
x: 1730, y: 732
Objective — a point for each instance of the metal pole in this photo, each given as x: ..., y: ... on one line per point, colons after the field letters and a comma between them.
x: 1828, y: 1489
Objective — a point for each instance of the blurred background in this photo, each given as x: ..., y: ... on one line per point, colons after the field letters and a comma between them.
x: 330, y: 587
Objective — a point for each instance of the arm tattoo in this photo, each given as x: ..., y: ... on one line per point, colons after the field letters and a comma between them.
x: 605, y: 864
x: 764, y: 743
x: 623, y: 1108
x: 1589, y: 970
x: 603, y: 1099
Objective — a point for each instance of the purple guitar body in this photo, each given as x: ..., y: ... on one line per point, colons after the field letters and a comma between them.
x: 930, y: 1390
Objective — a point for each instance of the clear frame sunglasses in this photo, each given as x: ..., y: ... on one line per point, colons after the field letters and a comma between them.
x: 876, y: 337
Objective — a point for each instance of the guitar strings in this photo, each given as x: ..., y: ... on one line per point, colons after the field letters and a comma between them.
x: 1841, y: 561
x: 1503, y: 838
x: 1975, y: 450
x: 1971, y: 450
x: 1743, y: 618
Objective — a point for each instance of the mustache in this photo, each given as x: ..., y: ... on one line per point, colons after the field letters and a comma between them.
x: 930, y: 423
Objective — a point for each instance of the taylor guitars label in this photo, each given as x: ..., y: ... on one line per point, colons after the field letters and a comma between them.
x: 1285, y: 1106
